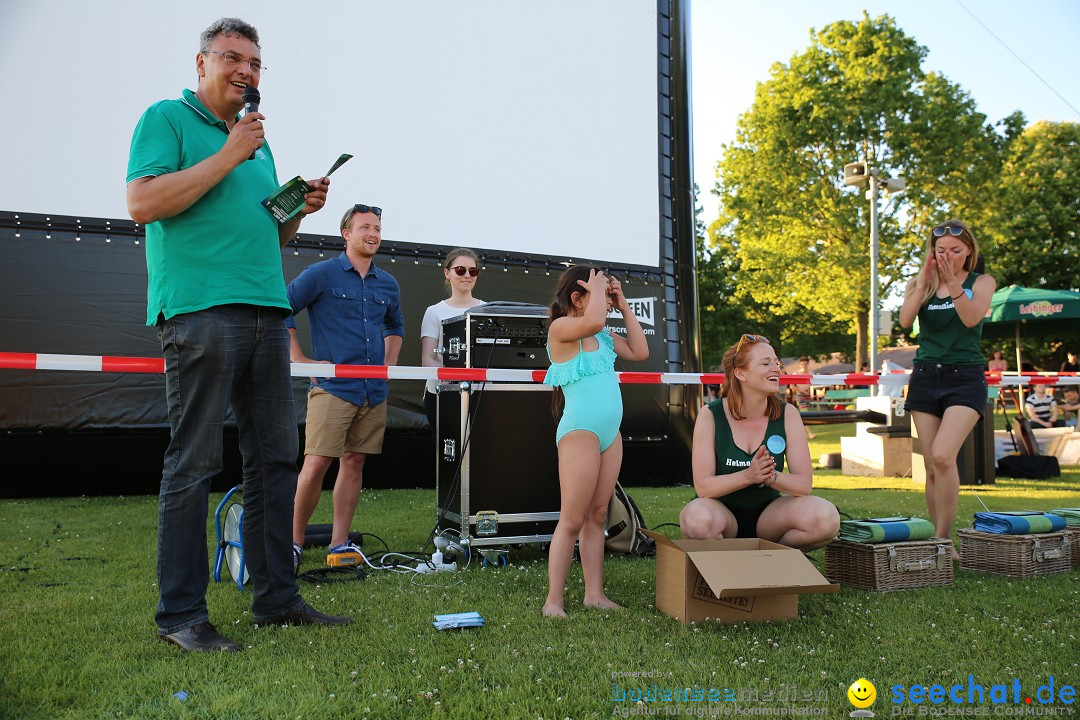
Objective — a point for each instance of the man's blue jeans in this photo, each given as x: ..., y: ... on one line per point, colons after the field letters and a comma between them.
x: 238, y: 355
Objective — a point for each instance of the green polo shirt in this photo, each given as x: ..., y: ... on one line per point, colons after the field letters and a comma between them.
x: 223, y: 249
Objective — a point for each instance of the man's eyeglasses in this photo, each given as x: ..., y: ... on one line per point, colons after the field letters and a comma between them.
x: 953, y: 230
x: 751, y: 339
x: 461, y: 270
x: 232, y: 60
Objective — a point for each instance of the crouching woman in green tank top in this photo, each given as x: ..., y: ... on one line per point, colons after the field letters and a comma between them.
x: 741, y: 444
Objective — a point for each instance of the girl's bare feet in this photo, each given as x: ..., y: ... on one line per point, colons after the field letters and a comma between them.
x: 603, y: 603
x: 553, y: 610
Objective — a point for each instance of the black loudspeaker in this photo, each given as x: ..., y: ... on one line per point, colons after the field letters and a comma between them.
x: 975, y: 461
x: 498, y: 466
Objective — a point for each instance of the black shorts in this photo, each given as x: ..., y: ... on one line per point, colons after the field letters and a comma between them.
x: 746, y: 518
x: 935, y: 386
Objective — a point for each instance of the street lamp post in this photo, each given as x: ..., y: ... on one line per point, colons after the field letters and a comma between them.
x: 857, y: 174
x: 871, y: 194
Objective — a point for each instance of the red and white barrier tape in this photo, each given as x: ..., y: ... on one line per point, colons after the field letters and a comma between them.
x: 115, y: 364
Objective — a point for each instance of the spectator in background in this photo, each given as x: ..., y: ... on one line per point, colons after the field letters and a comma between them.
x: 461, y: 270
x: 997, y: 363
x: 1070, y: 365
x: 804, y: 393
x: 1070, y: 405
x: 712, y: 392
x: 1042, y: 409
x: 355, y: 312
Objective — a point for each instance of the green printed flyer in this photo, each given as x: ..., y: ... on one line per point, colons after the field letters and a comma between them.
x: 287, y: 201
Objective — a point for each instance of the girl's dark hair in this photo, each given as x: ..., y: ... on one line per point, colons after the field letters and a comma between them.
x: 736, y: 357
x: 454, y: 255
x: 561, y: 302
x: 563, y: 299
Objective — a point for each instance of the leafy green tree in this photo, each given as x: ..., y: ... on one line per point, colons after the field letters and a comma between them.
x: 800, y: 239
x: 1032, y: 228
x: 724, y: 316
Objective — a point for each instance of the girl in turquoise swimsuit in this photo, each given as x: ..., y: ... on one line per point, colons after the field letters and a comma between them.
x: 583, y: 353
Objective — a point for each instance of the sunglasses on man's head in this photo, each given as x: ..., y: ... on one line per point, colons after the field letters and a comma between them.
x: 750, y: 339
x: 953, y: 230
x: 461, y: 270
x: 362, y: 208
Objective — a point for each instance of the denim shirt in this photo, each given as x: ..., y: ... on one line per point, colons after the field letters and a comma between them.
x: 349, y: 316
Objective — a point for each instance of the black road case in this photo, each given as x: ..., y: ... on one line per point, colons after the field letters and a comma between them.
x: 498, y: 471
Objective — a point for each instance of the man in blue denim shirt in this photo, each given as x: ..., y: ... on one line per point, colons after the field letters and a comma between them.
x: 355, y: 313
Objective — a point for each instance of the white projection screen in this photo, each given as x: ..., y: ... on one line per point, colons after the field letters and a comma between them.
x: 527, y: 127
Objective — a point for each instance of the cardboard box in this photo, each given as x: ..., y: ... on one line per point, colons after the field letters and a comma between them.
x: 876, y: 455
x: 732, y: 580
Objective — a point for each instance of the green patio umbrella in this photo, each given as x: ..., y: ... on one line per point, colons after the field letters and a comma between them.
x: 1039, y: 311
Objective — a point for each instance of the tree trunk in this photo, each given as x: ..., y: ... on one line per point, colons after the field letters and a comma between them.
x: 862, y: 320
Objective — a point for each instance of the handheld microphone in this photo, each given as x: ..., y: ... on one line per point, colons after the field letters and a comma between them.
x: 251, y: 99
x: 251, y: 104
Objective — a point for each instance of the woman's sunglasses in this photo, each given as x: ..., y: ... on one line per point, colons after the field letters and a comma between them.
x: 751, y: 339
x: 953, y: 230
x: 461, y: 270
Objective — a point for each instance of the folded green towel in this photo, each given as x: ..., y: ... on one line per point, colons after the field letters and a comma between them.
x: 1071, y: 515
x: 1018, y: 522
x: 879, y: 530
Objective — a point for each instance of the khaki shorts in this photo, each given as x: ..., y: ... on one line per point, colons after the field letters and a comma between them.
x: 336, y: 426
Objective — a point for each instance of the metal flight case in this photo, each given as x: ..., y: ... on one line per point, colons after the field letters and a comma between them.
x: 497, y: 479
x: 498, y: 467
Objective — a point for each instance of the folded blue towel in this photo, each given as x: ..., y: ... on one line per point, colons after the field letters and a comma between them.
x: 891, y: 529
x: 1018, y: 523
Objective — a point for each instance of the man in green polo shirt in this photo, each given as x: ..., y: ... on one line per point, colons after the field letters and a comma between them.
x: 217, y: 296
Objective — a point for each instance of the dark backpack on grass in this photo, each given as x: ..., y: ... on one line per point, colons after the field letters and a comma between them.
x: 623, y: 521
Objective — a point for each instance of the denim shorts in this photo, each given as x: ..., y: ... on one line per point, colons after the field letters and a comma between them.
x: 935, y: 386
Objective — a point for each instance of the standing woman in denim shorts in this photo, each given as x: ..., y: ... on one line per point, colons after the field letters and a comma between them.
x: 947, y: 393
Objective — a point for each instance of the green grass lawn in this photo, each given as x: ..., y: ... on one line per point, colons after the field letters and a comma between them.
x: 79, y: 641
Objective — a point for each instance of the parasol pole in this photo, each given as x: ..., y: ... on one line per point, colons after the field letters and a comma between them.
x: 1019, y: 367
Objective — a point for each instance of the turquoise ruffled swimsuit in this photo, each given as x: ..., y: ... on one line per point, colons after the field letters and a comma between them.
x: 591, y: 388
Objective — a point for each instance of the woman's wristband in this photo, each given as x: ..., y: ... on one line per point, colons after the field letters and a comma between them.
x: 958, y: 295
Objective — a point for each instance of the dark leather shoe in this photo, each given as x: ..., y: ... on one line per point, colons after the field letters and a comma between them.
x: 203, y: 637
x: 305, y: 615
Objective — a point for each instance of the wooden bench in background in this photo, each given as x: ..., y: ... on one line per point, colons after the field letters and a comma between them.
x: 832, y: 398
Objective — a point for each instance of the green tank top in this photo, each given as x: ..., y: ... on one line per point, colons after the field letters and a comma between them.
x: 943, y: 337
x: 730, y: 458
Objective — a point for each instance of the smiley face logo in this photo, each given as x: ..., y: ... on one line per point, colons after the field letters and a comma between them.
x: 862, y: 693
